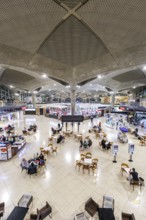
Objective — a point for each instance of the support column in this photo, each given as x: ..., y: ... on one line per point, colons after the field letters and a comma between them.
x: 112, y: 100
x: 33, y: 100
x: 73, y: 102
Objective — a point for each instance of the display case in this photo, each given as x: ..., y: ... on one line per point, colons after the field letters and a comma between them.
x: 5, y: 151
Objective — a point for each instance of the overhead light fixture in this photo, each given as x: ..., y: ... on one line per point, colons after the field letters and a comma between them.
x: 35, y: 92
x: 134, y: 87
x: 144, y: 68
x: 44, y: 75
x: 11, y: 86
x: 77, y: 86
x: 68, y: 86
x: 54, y: 84
x: 99, y: 76
x: 16, y: 94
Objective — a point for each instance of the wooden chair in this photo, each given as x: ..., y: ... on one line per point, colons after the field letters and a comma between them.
x: 142, y: 142
x: 78, y: 164
x: 122, y: 167
x: 2, y: 209
x: 86, y: 167
x: 54, y: 150
x: 97, y: 135
x: 95, y: 160
x: 41, y: 149
x: 82, y: 156
x: 136, y: 183
x: 93, y: 167
x: 88, y: 155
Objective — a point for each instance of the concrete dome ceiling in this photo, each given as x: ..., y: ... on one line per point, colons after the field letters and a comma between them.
x: 73, y: 41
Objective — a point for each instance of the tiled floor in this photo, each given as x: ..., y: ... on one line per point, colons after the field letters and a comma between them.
x: 63, y: 186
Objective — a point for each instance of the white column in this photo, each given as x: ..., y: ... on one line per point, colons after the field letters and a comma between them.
x: 73, y: 102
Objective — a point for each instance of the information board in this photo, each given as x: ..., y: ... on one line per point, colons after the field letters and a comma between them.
x: 115, y: 149
x: 131, y: 148
x: 72, y: 118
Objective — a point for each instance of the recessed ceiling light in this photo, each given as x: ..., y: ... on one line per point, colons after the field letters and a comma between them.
x: 44, y: 75
x: 35, y: 92
x: 134, y: 87
x: 54, y: 84
x: 11, y: 86
x: 99, y: 76
x: 144, y: 68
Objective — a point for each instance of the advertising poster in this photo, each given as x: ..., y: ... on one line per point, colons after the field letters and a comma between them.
x: 3, y: 153
x: 115, y: 149
x: 131, y: 148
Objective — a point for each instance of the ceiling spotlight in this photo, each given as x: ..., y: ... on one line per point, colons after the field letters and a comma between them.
x: 144, y: 68
x: 134, y: 87
x: 11, y: 86
x: 44, y: 75
x: 16, y: 94
x: 35, y: 92
x: 54, y: 84
x: 99, y: 76
x: 68, y: 86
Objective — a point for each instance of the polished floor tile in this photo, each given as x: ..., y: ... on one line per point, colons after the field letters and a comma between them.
x: 64, y: 186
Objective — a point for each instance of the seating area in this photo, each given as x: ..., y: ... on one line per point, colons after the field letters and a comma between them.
x: 42, y: 213
x: 127, y: 216
x: 86, y: 162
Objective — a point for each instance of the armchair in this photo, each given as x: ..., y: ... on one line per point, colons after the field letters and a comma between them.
x: 127, y: 216
x: 108, y: 202
x: 2, y: 209
x: 45, y: 211
x: 91, y: 207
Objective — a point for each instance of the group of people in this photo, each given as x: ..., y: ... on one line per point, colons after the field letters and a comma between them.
x: 32, y: 164
x: 87, y: 143
x: 31, y: 128
x: 106, y: 144
x: 56, y: 130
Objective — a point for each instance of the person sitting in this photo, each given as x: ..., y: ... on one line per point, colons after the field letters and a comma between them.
x: 81, y: 143
x: 85, y: 144
x: 32, y: 168
x: 53, y: 131
x: 103, y: 144
x: 134, y: 175
x: 60, y: 138
x: 89, y: 142
x: 24, y: 164
x: 41, y: 157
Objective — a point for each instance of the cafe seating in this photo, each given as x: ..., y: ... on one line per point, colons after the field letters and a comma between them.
x: 78, y: 164
x: 142, y: 142
x: 124, y: 165
x: 88, y: 155
x: 82, y: 156
x: 136, y: 183
x: 2, y: 209
x: 86, y: 167
x: 108, y: 202
x: 54, y: 150
x: 91, y: 207
x: 34, y: 217
x: 127, y: 216
x: 45, y: 211
x: 93, y: 167
x: 80, y: 216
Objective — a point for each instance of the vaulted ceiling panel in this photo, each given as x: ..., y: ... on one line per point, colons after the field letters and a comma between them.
x: 130, y: 76
x: 72, y: 43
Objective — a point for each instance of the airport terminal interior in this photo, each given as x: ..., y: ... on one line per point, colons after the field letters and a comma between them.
x: 72, y: 109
